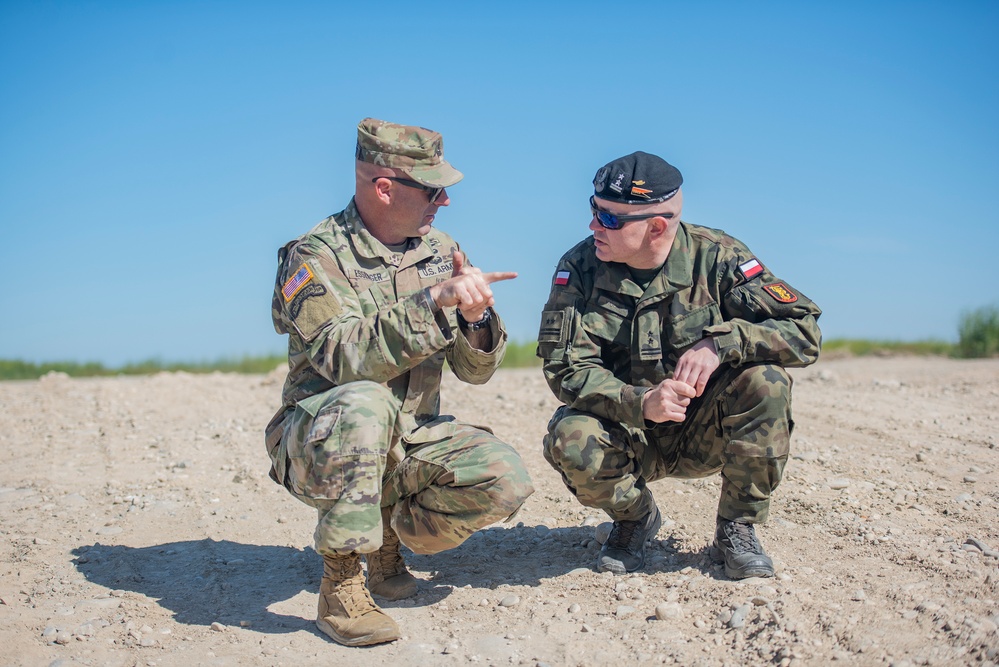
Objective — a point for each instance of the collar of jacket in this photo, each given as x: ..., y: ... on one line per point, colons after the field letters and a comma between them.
x: 366, y: 245
x: 675, y: 275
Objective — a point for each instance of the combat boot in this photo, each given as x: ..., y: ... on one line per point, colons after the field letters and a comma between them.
x: 736, y: 545
x: 346, y: 611
x: 624, y: 550
x: 388, y: 577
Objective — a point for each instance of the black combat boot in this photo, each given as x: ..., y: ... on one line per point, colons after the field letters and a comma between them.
x: 736, y: 545
x: 624, y: 550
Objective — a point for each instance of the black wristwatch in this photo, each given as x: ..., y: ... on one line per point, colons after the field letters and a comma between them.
x: 475, y: 326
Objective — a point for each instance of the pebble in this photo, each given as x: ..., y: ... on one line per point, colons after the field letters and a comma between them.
x: 217, y: 627
x: 669, y: 611
x: 807, y: 456
x: 580, y: 570
x: 483, y: 602
x: 602, y: 532
x: 574, y: 608
x: 586, y: 628
x: 509, y: 601
x: 859, y: 596
x: 963, y: 498
x: 838, y: 484
x: 624, y: 610
x: 969, y: 479
x: 738, y: 618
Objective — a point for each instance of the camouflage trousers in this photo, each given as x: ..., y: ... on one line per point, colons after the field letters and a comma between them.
x: 339, y: 453
x: 740, y: 426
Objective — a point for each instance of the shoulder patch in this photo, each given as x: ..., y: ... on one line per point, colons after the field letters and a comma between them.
x: 750, y: 268
x: 296, y: 282
x: 562, y: 278
x: 780, y: 292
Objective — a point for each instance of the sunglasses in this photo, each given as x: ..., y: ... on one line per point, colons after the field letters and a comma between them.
x: 614, y: 221
x: 433, y: 193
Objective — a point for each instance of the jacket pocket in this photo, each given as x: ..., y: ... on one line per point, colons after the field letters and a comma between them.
x: 686, y: 329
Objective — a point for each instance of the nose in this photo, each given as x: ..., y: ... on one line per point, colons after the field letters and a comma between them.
x: 594, y: 225
x: 443, y: 199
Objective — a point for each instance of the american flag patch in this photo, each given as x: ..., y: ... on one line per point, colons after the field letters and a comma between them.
x: 751, y: 268
x: 296, y: 282
x: 562, y: 278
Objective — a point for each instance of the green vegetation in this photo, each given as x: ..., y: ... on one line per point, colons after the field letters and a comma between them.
x: 860, y: 347
x: 521, y: 355
x: 23, y: 370
x: 978, y: 333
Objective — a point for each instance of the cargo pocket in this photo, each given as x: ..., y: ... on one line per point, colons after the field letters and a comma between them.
x: 317, y: 462
x: 273, y: 438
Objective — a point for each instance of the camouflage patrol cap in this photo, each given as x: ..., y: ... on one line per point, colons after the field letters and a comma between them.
x: 416, y: 151
x: 639, y: 178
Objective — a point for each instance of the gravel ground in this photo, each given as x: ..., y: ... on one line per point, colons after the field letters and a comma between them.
x: 140, y: 528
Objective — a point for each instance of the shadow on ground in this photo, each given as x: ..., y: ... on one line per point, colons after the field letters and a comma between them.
x: 207, y: 581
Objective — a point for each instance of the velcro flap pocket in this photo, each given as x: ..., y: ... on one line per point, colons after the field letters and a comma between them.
x: 689, y: 328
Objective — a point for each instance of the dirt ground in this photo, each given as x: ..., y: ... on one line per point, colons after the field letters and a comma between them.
x: 140, y: 528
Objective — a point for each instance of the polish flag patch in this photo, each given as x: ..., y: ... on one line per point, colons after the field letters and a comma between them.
x: 751, y: 268
x: 562, y: 278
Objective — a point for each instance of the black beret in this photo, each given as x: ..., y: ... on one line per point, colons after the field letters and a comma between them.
x: 639, y: 178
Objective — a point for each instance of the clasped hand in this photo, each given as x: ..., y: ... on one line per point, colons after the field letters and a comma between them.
x: 468, y: 288
x: 668, y: 400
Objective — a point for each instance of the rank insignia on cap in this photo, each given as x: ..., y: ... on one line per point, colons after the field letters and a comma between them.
x: 296, y: 282
x: 640, y: 192
x: 562, y: 278
x: 780, y: 292
x: 750, y: 268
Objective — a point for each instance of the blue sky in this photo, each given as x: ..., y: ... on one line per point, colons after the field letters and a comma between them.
x: 154, y: 155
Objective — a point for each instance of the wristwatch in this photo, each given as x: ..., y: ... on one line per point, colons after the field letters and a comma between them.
x: 475, y: 326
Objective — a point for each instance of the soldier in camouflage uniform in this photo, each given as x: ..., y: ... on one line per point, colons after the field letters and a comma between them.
x: 374, y: 299
x: 668, y: 344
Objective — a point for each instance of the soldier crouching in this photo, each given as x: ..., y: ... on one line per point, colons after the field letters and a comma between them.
x: 668, y: 344
x: 374, y: 300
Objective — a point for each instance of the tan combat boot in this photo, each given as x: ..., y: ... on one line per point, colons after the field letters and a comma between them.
x: 346, y: 611
x: 388, y: 577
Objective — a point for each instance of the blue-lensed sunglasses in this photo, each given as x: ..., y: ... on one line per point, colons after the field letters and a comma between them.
x: 609, y: 220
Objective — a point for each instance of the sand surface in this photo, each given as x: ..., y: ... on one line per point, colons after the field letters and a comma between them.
x: 140, y: 528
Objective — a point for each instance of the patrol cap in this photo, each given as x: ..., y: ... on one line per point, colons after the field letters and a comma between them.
x: 639, y: 178
x: 416, y: 151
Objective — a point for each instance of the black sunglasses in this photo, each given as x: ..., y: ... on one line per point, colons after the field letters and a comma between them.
x: 614, y: 221
x: 433, y: 193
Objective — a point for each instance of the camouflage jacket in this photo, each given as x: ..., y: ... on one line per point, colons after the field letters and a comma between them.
x: 605, y: 342
x: 355, y: 310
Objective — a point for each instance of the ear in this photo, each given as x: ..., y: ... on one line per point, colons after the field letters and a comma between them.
x: 383, y: 190
x: 658, y: 226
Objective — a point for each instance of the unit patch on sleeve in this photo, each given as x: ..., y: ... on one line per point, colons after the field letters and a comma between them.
x: 562, y: 278
x: 750, y: 268
x: 296, y: 282
x: 780, y: 292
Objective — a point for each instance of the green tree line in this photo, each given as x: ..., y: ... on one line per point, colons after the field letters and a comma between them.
x: 978, y: 337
